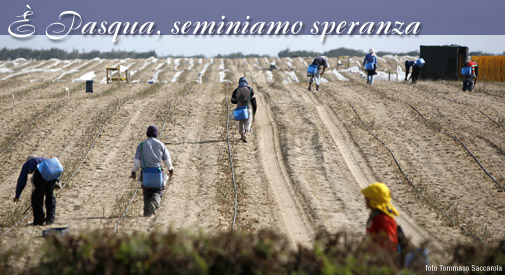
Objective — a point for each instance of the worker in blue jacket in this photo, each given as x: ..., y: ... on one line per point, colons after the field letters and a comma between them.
x: 41, y: 189
x: 370, y: 64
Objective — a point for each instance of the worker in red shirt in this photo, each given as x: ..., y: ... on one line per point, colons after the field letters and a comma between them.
x: 470, y: 80
x: 381, y: 225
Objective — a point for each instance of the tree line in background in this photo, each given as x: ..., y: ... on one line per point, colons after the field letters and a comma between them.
x: 240, y: 55
x: 10, y: 54
x: 337, y: 52
x: 351, y: 52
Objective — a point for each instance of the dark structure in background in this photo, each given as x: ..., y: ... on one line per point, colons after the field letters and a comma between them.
x: 89, y: 86
x: 442, y: 62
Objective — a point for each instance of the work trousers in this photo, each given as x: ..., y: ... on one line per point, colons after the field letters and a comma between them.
x: 316, y: 77
x: 369, y: 76
x: 245, y: 125
x: 43, y: 189
x: 415, y: 73
x: 468, y: 83
x: 152, y: 197
x: 152, y: 201
x: 407, y: 71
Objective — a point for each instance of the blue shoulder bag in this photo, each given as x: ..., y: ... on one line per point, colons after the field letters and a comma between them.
x: 50, y: 169
x: 466, y: 70
x: 241, y: 113
x: 370, y: 65
x: 152, y: 177
x: 312, y: 69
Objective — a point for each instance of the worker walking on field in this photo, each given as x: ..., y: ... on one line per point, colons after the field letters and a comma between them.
x: 470, y: 72
x: 322, y: 64
x: 42, y: 188
x: 148, y: 156
x: 244, y: 97
x: 381, y: 225
x: 370, y: 64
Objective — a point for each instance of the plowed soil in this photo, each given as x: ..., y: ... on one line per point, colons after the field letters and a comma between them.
x: 301, y: 171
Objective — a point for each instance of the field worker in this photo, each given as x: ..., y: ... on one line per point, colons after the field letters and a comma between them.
x: 470, y: 80
x: 381, y: 225
x: 149, y: 155
x: 41, y: 189
x: 408, y: 65
x: 322, y: 64
x: 370, y: 64
x: 243, y: 95
x: 415, y: 73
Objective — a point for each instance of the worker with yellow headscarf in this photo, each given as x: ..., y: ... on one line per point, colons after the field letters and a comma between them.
x: 381, y: 225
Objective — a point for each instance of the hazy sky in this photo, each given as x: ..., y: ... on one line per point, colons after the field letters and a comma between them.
x: 213, y: 45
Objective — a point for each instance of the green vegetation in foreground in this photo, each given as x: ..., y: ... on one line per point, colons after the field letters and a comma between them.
x: 226, y: 253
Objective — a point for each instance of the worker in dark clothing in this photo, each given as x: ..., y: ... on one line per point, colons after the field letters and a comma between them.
x: 416, y: 68
x: 243, y: 95
x: 41, y: 188
x: 322, y: 65
x: 415, y: 73
x: 408, y: 65
x: 469, y: 80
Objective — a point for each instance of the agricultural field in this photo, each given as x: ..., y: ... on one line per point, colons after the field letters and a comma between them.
x: 440, y: 150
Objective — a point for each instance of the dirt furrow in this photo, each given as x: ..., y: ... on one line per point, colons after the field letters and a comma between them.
x: 333, y: 203
x: 257, y: 208
x: 296, y: 225
x: 424, y: 153
x: 63, y: 134
x: 189, y: 201
x: 355, y: 162
x: 90, y: 203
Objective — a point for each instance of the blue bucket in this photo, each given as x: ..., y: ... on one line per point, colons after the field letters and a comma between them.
x: 50, y: 169
x: 466, y: 71
x: 241, y: 113
x: 420, y: 62
x: 312, y: 69
x: 152, y: 177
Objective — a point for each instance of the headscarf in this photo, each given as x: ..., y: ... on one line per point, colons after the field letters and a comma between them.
x: 242, y: 82
x: 372, y: 51
x: 380, y: 198
x: 325, y: 58
x: 152, y: 131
